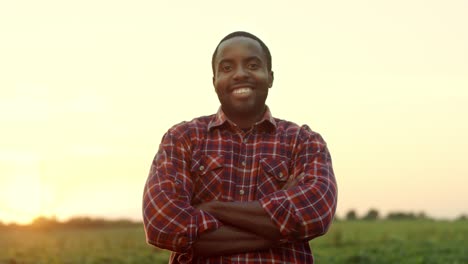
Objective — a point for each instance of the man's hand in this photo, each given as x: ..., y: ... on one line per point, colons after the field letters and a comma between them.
x: 293, y: 182
x: 205, y: 206
x: 248, y: 216
x: 229, y: 240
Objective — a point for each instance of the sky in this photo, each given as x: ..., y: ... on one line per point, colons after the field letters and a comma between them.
x: 88, y: 88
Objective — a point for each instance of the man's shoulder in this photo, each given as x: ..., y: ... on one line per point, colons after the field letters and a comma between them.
x: 196, y: 125
x: 292, y: 128
x: 298, y: 134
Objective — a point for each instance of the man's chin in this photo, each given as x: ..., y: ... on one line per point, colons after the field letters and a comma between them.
x: 246, y: 110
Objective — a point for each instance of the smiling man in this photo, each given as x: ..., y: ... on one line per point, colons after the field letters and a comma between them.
x: 240, y: 186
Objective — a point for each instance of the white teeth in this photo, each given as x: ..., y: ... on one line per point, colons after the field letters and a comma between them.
x: 242, y: 91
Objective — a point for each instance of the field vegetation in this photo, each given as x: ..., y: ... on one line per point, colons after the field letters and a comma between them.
x: 362, y: 240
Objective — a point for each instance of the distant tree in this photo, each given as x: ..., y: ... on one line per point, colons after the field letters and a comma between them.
x: 44, y: 222
x: 462, y: 218
x: 351, y: 215
x: 13, y: 226
x: 372, y: 214
x: 401, y: 216
x: 422, y: 216
x: 86, y: 222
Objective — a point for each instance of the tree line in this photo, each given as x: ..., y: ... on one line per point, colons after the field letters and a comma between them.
x: 87, y: 222
x: 373, y: 214
x: 75, y: 222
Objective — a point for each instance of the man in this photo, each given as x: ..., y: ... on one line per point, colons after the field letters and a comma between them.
x: 240, y: 186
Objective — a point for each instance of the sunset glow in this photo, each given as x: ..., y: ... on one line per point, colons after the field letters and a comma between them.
x: 88, y: 88
x: 21, y: 190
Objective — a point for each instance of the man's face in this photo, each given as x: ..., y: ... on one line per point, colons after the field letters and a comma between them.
x: 241, y: 77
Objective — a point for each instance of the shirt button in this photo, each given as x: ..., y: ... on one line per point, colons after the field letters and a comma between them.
x: 241, y: 192
x: 202, y: 167
x: 243, y: 163
x: 280, y: 175
x: 245, y: 140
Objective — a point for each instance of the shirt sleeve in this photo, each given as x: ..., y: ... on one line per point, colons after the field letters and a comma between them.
x: 306, y: 210
x: 170, y: 221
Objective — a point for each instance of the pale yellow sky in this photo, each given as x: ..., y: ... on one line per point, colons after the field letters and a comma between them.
x: 87, y: 89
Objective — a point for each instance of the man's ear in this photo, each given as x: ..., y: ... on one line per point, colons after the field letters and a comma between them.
x: 213, y: 79
x: 272, y: 77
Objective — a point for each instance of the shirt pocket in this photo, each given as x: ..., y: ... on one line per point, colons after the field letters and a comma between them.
x: 207, y: 172
x: 274, y: 174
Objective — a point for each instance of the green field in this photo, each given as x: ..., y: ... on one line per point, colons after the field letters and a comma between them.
x: 383, y: 242
x: 347, y: 242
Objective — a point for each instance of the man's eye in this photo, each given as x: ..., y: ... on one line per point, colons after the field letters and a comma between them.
x: 253, y: 66
x: 226, y: 67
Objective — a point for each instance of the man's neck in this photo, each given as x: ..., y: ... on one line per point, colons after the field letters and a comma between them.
x: 247, y: 120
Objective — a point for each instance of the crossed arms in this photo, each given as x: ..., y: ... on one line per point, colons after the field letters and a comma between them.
x: 301, y: 210
x: 247, y: 227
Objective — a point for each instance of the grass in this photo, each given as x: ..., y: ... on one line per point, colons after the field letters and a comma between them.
x: 83, y: 246
x: 382, y: 242
x: 349, y: 242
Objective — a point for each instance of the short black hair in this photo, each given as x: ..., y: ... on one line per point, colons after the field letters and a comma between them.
x: 247, y: 35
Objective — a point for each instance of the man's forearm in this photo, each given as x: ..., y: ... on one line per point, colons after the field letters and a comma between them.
x: 248, y: 216
x: 229, y: 240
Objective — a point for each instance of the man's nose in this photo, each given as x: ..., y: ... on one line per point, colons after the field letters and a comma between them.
x: 240, y: 73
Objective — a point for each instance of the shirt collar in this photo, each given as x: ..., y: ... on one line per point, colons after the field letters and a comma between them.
x: 220, y: 118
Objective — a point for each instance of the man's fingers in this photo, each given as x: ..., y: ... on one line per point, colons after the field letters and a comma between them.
x: 293, y: 182
x: 300, y: 177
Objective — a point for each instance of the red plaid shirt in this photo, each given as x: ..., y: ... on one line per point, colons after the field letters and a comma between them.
x: 209, y: 158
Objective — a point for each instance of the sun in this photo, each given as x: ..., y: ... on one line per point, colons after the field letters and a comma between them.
x: 20, y: 188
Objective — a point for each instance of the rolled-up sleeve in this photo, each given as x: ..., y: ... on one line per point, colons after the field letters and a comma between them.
x: 170, y: 221
x: 306, y: 211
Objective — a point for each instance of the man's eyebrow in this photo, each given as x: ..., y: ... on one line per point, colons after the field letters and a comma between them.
x: 253, y: 58
x: 228, y: 60
x: 225, y: 61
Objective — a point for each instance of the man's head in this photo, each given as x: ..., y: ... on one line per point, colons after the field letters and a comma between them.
x: 247, y: 35
x: 242, y: 75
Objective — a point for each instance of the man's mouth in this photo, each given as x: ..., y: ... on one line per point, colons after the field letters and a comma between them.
x: 242, y: 91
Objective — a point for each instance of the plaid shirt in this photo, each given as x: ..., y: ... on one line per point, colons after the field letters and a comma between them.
x: 209, y: 158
